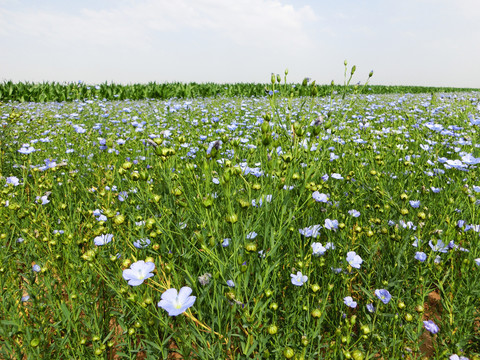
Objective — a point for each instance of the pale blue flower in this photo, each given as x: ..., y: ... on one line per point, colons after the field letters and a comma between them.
x: 414, y: 203
x: 329, y: 246
x: 318, y: 197
x: 230, y: 283
x: 370, y: 308
x: 337, y: 176
x: 477, y: 261
x: 354, y: 260
x: 420, y: 256
x: 299, y: 279
x: 36, y: 268
x: 43, y: 199
x: 311, y: 231
x: 175, y: 303
x: 331, y: 224
x: 349, y: 302
x: 102, y: 218
x: 318, y: 249
x: 431, y: 326
x: 103, y: 239
x: 26, y: 149
x: 122, y: 196
x: 354, y: 213
x: 439, y: 246
x: 13, y: 180
x: 456, y: 357
x: 138, y: 272
x: 226, y: 242
x: 141, y: 243
x: 383, y: 295
x: 252, y: 235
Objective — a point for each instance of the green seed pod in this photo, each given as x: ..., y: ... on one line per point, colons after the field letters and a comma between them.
x: 272, y: 329
x: 119, y: 219
x: 288, y: 352
x: 232, y: 218
x: 127, y: 165
x: 251, y: 247
x: 358, y: 355
x: 316, y: 313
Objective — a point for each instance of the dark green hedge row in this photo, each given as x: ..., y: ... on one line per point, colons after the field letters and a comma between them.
x: 41, y: 92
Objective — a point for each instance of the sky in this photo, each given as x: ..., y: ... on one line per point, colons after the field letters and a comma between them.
x: 406, y: 42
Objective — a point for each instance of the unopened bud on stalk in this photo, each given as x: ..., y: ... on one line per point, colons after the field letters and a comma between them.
x: 353, y: 70
x: 272, y: 78
x: 279, y: 79
x: 371, y: 74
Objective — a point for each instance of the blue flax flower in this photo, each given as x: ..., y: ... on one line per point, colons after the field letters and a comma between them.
x: 103, y: 239
x: 420, y: 256
x: 354, y: 260
x: 138, y: 272
x: 299, y: 279
x: 431, y: 326
x: 349, y: 302
x: 318, y: 249
x: 175, y: 303
x: 383, y: 295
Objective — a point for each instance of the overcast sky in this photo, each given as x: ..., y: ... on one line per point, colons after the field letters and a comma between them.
x: 405, y: 42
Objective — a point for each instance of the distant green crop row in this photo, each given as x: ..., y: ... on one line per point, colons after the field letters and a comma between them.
x: 42, y: 92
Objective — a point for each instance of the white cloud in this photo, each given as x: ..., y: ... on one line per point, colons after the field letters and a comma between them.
x: 133, y: 24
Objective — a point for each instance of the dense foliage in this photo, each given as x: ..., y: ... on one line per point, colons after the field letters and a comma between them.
x: 44, y: 92
x: 238, y: 227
